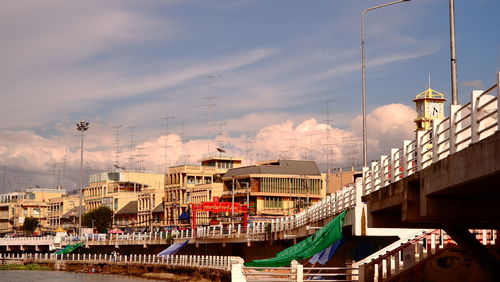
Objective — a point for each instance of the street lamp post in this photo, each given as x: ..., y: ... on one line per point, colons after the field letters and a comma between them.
x: 81, y: 126
x: 363, y: 70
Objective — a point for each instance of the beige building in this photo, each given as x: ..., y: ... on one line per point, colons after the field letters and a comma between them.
x: 31, y: 202
x: 58, y: 207
x: 340, y: 178
x: 187, y: 184
x: 275, y: 188
x: 116, y: 189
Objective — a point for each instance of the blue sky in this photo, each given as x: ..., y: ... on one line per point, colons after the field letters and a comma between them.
x: 132, y: 63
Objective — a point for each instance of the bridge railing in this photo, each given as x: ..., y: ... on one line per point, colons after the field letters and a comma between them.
x: 26, y: 240
x: 198, y: 261
x: 467, y: 124
x: 382, y: 265
x: 327, y: 207
x: 294, y: 272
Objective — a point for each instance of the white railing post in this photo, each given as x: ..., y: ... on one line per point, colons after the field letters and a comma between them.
x: 498, y: 100
x: 394, y: 164
x: 364, y: 181
x: 454, y: 116
x: 406, y: 158
x: 474, y: 115
x: 435, y: 140
x: 420, y: 149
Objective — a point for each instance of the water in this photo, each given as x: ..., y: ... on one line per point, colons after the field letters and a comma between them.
x: 61, y: 276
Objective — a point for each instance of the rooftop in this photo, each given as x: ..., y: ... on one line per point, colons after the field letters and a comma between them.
x: 286, y: 167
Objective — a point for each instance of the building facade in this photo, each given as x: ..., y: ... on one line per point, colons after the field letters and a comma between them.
x: 58, y: 207
x: 186, y: 184
x: 275, y: 188
x: 15, y: 207
x: 116, y: 189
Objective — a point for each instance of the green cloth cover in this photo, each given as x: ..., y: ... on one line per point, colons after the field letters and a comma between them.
x: 69, y: 248
x: 323, y: 238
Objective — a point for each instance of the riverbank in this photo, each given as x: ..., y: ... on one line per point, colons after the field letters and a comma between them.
x: 146, y: 271
x: 31, y: 266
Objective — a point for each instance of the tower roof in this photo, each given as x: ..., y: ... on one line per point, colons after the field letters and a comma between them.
x: 430, y: 94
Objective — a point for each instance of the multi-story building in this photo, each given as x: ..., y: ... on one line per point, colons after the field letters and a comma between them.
x: 148, y: 201
x: 275, y: 188
x: 127, y: 215
x: 58, y: 207
x: 116, y: 189
x: 185, y: 184
x: 31, y: 202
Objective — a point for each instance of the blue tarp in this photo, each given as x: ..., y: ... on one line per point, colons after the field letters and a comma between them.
x: 173, y: 249
x: 325, y: 255
x: 184, y: 216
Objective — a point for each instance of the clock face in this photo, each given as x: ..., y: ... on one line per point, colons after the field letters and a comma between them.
x: 434, y: 109
x: 420, y: 109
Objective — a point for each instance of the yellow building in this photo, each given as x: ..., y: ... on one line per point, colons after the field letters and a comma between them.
x: 116, y: 189
x: 275, y: 188
x: 187, y: 184
x: 31, y: 202
x: 58, y: 207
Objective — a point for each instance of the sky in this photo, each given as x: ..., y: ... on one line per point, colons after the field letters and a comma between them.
x: 273, y: 79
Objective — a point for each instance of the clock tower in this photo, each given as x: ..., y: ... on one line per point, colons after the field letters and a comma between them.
x: 430, y: 106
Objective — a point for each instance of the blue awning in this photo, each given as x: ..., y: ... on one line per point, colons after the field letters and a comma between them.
x: 173, y: 249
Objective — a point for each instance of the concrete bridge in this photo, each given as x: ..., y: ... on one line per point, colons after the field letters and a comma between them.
x: 447, y: 177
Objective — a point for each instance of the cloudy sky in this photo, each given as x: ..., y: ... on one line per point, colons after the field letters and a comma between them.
x: 273, y: 64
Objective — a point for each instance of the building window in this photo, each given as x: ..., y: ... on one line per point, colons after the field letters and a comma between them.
x: 273, y: 202
x: 116, y: 204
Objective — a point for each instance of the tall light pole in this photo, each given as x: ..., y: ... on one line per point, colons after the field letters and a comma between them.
x: 363, y: 71
x: 453, y: 55
x: 81, y: 126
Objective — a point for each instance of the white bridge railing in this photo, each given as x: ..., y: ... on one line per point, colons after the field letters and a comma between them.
x: 27, y: 241
x: 327, y: 207
x: 214, y: 262
x: 466, y: 125
x: 397, y: 257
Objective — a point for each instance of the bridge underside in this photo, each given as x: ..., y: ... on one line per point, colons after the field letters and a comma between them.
x: 462, y: 190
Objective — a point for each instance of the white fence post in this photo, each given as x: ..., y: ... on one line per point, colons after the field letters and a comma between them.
x: 453, y: 127
x: 474, y: 115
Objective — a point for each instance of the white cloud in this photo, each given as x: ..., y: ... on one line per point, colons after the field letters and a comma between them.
x: 475, y: 84
x: 27, y: 151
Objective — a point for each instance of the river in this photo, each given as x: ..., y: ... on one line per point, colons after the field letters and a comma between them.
x: 61, y: 276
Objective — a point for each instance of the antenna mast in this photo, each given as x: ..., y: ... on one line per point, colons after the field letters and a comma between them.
x: 117, y: 145
x: 131, y: 148
x: 210, y: 105
x: 328, y: 144
x: 166, y: 165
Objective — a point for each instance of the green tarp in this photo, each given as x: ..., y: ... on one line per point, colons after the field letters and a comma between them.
x: 323, y: 238
x: 69, y: 248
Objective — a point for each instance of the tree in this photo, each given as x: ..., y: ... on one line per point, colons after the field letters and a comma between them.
x: 29, y: 225
x: 100, y: 218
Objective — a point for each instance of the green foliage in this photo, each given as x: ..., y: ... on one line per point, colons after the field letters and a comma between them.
x: 29, y: 225
x: 169, y: 239
x: 32, y: 266
x: 100, y: 218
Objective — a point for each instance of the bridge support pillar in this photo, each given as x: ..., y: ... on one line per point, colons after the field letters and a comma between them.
x: 467, y: 241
